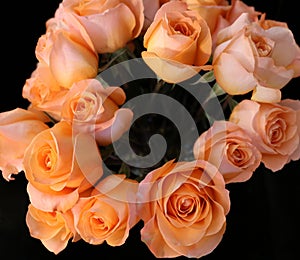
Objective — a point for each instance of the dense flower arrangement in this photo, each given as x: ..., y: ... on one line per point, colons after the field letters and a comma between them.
x: 114, y: 75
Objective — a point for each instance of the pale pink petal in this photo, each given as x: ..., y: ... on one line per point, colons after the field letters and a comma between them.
x: 265, y: 94
x: 234, y: 81
x: 284, y: 39
x: 271, y: 75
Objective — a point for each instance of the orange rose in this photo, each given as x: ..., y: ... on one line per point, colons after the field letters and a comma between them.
x: 17, y: 128
x: 230, y: 149
x: 108, y: 214
x: 56, y: 165
x: 178, y: 43
x: 110, y: 24
x: 67, y: 50
x: 184, y: 207
x: 54, y: 229
x: 249, y: 57
x: 43, y: 91
x: 91, y: 107
x: 273, y: 128
x: 219, y: 13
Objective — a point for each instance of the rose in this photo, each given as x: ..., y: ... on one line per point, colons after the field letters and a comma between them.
x: 255, y: 56
x: 54, y: 229
x: 17, y: 128
x: 230, y: 149
x: 178, y: 43
x: 273, y: 128
x: 43, y: 91
x: 183, y: 206
x: 67, y: 50
x: 56, y: 165
x: 110, y: 24
x: 107, y: 214
x: 65, y: 55
x: 92, y: 108
x: 219, y: 13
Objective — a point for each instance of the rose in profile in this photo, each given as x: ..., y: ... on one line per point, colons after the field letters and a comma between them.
x: 110, y: 24
x: 230, y: 149
x: 43, y: 91
x: 178, y: 43
x: 59, y: 167
x: 53, y: 229
x: 259, y: 57
x: 67, y: 50
x: 273, y: 128
x: 91, y: 108
x: 108, y: 213
x: 183, y: 206
x: 17, y: 129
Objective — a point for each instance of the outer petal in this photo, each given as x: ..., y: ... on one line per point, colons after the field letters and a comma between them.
x: 169, y: 70
x: 234, y: 81
x: 121, y: 23
x: 17, y: 129
x: 51, y: 202
x: 113, y: 129
x: 265, y: 94
x: 71, y: 62
x: 271, y: 75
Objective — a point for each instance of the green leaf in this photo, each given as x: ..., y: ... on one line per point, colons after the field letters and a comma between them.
x: 218, y: 90
x: 208, y: 77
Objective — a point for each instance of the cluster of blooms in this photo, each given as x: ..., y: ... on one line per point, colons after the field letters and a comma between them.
x: 62, y: 139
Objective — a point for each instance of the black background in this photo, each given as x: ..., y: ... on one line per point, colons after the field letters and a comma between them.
x: 263, y: 222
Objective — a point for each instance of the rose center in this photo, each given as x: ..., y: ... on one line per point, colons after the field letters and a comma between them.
x: 264, y: 46
x: 276, y: 133
x: 182, y: 28
x: 235, y: 154
x: 46, y: 159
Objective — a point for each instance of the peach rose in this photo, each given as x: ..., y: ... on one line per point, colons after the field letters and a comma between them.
x: 249, y: 57
x: 219, y: 13
x: 110, y: 24
x: 43, y: 91
x: 236, y: 9
x: 59, y: 166
x: 183, y: 206
x: 54, y: 229
x: 17, y: 128
x: 108, y: 214
x: 67, y: 50
x: 230, y: 149
x: 178, y: 43
x: 273, y: 128
x: 92, y: 108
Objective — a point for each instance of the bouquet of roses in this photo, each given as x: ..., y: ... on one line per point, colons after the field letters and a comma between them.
x: 144, y: 111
